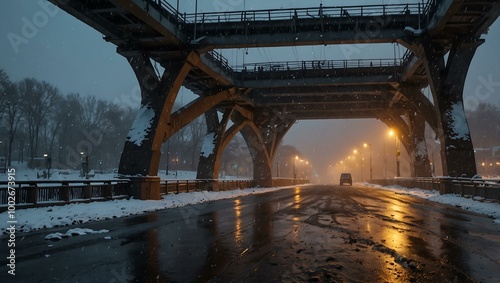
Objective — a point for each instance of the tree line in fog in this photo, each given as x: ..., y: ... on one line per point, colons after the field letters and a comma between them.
x: 37, y: 119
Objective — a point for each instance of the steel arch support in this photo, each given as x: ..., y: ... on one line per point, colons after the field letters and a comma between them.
x: 216, y: 140
x: 421, y: 104
x: 402, y: 130
x: 419, y: 158
x: 262, y: 166
x: 141, y: 154
x: 420, y: 111
x: 447, y: 81
x: 263, y: 136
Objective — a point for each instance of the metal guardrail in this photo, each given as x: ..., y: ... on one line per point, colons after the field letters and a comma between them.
x: 485, y: 188
x: 318, y: 64
x: 170, y: 12
x: 47, y: 193
x: 304, y: 13
x: 180, y: 186
x: 183, y: 20
x: 219, y: 61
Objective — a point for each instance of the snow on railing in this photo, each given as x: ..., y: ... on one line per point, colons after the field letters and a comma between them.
x: 46, y: 192
x: 465, y: 187
x: 304, y: 13
x: 319, y: 64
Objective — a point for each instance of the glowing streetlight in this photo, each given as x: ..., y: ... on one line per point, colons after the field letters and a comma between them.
x: 392, y: 133
x: 370, y: 147
x: 361, y: 164
x: 294, y: 169
x: 48, y: 163
x: 85, y: 165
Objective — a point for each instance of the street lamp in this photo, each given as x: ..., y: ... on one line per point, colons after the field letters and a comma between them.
x: 392, y: 133
x: 3, y: 162
x: 370, y: 148
x: 361, y: 163
x: 48, y: 163
x: 176, y: 160
x: 85, y: 165
x: 294, y: 167
x: 307, y: 170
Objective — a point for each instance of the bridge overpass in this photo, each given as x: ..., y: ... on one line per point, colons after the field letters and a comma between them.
x: 263, y: 100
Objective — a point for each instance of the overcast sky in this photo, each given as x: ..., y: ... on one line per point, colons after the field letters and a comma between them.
x: 75, y: 58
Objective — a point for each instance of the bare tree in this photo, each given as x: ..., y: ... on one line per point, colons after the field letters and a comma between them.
x: 4, y: 85
x: 13, y: 117
x: 236, y: 159
x: 37, y: 101
x: 54, y: 124
x: 197, y: 128
x: 484, y: 126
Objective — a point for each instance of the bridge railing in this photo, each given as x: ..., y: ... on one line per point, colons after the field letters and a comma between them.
x: 483, y: 188
x: 42, y: 193
x: 170, y: 12
x: 219, y: 60
x: 304, y: 13
x: 45, y: 192
x: 318, y: 64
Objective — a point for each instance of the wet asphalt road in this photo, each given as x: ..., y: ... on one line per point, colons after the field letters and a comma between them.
x: 302, y: 234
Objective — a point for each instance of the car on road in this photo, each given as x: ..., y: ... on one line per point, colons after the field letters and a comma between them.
x: 345, y: 178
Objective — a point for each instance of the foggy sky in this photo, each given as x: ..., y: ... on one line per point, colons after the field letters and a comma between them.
x: 72, y: 56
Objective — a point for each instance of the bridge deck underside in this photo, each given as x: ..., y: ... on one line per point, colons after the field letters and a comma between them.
x: 313, y: 31
x: 156, y: 29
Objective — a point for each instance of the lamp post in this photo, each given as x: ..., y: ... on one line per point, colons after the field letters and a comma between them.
x: 361, y: 162
x: 370, y: 148
x: 48, y: 163
x: 168, y: 154
x: 392, y: 133
x: 301, y: 169
x: 3, y: 162
x: 294, y: 167
x: 176, y: 166
x: 85, y: 165
x: 307, y: 170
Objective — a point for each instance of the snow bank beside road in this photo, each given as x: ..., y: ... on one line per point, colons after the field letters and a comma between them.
x: 78, y: 213
x: 58, y: 216
x: 74, y: 232
x: 487, y: 208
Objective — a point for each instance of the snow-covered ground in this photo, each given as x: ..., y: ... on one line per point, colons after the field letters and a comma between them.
x: 23, y: 173
x: 57, y: 216
x: 78, y: 213
x: 47, y: 217
x: 488, y: 208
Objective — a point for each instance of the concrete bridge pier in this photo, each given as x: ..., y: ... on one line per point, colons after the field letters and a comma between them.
x: 217, y: 138
x: 412, y: 136
x: 262, y: 131
x: 141, y: 153
x: 419, y: 158
x: 446, y: 80
x: 263, y: 136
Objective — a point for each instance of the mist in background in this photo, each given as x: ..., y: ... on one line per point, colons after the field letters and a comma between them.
x: 74, y: 57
